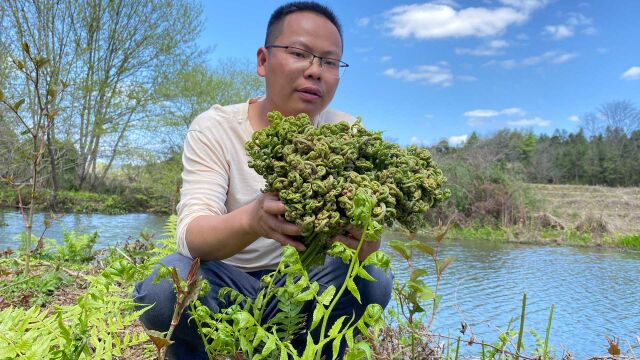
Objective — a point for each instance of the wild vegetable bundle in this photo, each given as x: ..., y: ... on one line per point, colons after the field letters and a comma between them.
x: 317, y: 171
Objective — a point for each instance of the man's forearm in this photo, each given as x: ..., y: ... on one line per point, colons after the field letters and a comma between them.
x: 217, y: 237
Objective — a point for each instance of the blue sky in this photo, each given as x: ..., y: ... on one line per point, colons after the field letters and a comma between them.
x: 425, y: 71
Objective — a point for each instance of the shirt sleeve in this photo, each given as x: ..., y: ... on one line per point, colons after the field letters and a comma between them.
x: 205, y: 181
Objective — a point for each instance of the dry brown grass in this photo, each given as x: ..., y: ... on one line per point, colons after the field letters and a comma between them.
x: 619, y: 208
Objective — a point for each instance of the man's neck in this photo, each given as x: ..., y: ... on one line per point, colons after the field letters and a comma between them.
x: 258, y: 114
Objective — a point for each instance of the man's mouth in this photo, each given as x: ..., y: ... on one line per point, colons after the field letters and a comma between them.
x: 311, y: 90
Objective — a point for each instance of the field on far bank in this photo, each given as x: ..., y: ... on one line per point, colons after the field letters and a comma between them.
x: 619, y: 208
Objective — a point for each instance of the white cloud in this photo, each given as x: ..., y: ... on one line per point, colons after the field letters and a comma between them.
x: 385, y: 58
x: 632, y: 74
x: 458, y: 140
x: 484, y: 113
x: 493, y: 47
x: 525, y: 5
x: 439, y: 75
x: 481, y: 113
x: 475, y: 121
x: 568, y: 29
x: 363, y: 21
x: 555, y: 57
x: 450, y: 3
x: 507, y: 64
x: 577, y: 19
x: 513, y: 111
x: 466, y: 78
x: 436, y: 20
x: 559, y: 31
x: 574, y: 118
x: 536, y: 121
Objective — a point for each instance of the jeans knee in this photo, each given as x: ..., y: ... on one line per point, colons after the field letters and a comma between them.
x: 161, y: 297
x: 378, y: 291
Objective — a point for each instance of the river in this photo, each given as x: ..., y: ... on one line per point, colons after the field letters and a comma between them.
x: 596, y: 292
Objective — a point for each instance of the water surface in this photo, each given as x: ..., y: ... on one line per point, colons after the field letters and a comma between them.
x: 596, y: 292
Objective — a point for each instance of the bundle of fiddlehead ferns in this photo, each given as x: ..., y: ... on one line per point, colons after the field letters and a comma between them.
x: 316, y: 172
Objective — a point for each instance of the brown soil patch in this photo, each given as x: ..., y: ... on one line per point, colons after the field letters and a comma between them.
x: 610, y: 210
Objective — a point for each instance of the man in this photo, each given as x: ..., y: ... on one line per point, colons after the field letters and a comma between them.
x: 223, y: 219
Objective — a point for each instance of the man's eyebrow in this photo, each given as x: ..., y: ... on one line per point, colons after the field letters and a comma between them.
x: 303, y: 45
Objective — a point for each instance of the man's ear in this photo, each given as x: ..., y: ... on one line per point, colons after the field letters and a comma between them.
x: 261, y: 56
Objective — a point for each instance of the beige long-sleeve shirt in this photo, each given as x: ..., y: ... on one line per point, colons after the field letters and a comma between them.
x: 216, y: 178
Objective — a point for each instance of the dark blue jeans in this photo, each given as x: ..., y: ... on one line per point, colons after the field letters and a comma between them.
x: 188, y: 343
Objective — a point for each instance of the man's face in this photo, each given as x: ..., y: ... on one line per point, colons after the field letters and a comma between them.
x: 292, y: 88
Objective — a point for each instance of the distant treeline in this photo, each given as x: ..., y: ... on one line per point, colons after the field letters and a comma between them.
x: 604, y: 151
x: 485, y: 174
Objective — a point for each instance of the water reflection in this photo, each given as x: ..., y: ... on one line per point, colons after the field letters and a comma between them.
x: 596, y: 292
x: 112, y: 229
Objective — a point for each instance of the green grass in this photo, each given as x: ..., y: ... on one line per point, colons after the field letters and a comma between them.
x: 631, y: 241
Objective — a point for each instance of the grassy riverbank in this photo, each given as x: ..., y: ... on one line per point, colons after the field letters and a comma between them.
x: 68, y: 201
x: 572, y: 215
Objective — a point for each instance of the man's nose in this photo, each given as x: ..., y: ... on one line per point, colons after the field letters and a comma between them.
x: 315, y: 68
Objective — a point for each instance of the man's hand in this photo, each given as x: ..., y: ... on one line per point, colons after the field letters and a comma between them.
x: 353, y: 238
x: 267, y: 220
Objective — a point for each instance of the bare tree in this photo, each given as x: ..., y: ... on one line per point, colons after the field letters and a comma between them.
x: 112, y: 53
x: 125, y: 47
x: 621, y: 115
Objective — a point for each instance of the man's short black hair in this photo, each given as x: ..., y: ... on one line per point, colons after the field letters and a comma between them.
x: 274, y: 30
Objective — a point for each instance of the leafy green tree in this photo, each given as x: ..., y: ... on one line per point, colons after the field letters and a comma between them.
x: 194, y: 89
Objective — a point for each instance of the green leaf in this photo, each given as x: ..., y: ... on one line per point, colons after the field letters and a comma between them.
x: 424, y: 248
x: 318, y: 313
x: 417, y: 273
x: 1, y: 95
x: 335, y: 329
x: 400, y: 248
x: 312, y: 292
x: 327, y: 295
x: 269, y: 346
x: 349, y: 337
x: 25, y: 48
x: 258, y: 337
x: 64, y: 330
x: 283, y: 353
x: 40, y: 62
x: 364, y: 274
x: 353, y: 289
x: 421, y: 289
x: 441, y: 236
x: 379, y: 259
x: 17, y: 105
x: 444, y: 264
x: 359, y: 352
x: 158, y: 338
x: 336, y: 346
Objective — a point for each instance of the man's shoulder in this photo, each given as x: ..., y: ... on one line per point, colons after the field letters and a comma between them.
x: 218, y: 115
x: 332, y: 116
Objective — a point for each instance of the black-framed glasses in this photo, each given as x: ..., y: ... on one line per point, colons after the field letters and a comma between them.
x: 296, y: 55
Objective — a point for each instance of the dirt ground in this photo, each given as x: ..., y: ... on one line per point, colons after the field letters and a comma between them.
x: 618, y: 207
